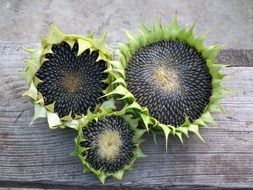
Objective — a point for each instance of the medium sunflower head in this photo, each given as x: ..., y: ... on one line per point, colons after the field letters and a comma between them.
x: 171, y: 79
x: 67, y: 75
x: 108, y: 143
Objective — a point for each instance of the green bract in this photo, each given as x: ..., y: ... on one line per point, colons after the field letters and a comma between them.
x: 51, y: 49
x: 98, y: 132
x: 168, y: 34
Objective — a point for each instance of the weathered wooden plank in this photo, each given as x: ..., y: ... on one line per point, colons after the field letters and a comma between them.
x: 234, y: 57
x: 40, y: 158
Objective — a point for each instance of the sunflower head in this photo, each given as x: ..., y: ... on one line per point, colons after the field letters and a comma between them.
x: 66, y: 76
x: 170, y: 78
x: 108, y: 142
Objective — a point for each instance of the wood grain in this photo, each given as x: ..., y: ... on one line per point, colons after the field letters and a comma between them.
x: 38, y: 157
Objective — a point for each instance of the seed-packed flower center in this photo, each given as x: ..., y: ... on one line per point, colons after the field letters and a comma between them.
x: 166, y: 78
x: 171, y: 79
x: 110, y: 144
x: 73, y: 83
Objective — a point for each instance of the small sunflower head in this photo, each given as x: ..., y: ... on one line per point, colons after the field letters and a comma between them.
x: 67, y: 75
x: 170, y: 78
x: 108, y: 144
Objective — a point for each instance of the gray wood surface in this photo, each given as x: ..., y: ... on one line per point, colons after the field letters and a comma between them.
x: 38, y: 157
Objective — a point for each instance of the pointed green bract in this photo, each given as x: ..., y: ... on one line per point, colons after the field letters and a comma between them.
x: 172, y: 32
x: 37, y: 58
x: 108, y: 109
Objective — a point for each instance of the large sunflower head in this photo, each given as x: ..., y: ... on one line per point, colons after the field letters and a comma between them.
x: 170, y: 78
x: 108, y: 142
x: 67, y: 75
